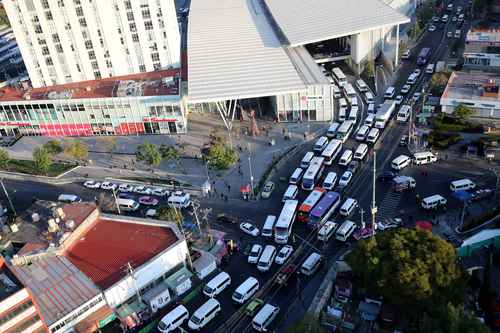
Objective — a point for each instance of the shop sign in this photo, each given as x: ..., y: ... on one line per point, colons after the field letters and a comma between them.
x: 107, y: 320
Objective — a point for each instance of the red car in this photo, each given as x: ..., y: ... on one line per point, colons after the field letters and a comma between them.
x: 148, y: 201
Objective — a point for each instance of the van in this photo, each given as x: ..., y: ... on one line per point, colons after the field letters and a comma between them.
x: 370, y: 119
x: 311, y: 264
x: 462, y: 185
x: 369, y: 97
x: 403, y: 113
x: 326, y: 231
x: 361, y: 85
x: 371, y: 108
x: 172, y: 320
x: 342, y: 103
x: 373, y: 135
x: 336, y: 91
x: 320, y: 144
x: 434, y: 201
x: 265, y: 317
x: 400, y: 162
x: 290, y: 193
x: 69, y: 198
x: 246, y: 290
x: 345, y: 230
x: 267, y: 258
x: 267, y: 229
x: 306, y: 160
x: 179, y: 199
x: 342, y: 114
x: 444, y: 19
x: 458, y: 33
x: 204, y: 314
x: 390, y: 92
x: 430, y: 69
x: 128, y: 205
x: 348, y: 207
x: 330, y: 181
x: 354, y: 102
x: 296, y: 176
x: 424, y: 158
x: 216, y: 285
x: 353, y: 114
x: 412, y: 79
x: 346, y: 157
x: 332, y: 130
x: 361, y: 151
x: 362, y: 133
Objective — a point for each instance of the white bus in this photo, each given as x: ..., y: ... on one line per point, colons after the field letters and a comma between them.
x: 345, y: 230
x: 283, y: 227
x: 345, y: 130
x: 313, y: 173
x: 349, y: 91
x: 331, y: 151
x: 339, y: 75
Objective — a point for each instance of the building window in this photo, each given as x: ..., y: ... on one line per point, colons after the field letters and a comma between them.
x: 83, y: 22
x: 88, y: 44
x: 148, y: 25
x: 49, y: 61
x: 146, y: 14
x: 142, y: 68
x: 59, y: 48
x: 135, y: 38
x: 156, y: 66
x: 95, y: 65
x: 155, y: 57
x: 97, y: 75
x: 128, y: 5
x: 79, y: 11
x: 130, y: 16
x: 45, y: 4
x: 91, y: 55
x: 132, y: 27
x: 45, y: 50
x: 55, y: 38
x: 38, y: 29
x: 48, y: 16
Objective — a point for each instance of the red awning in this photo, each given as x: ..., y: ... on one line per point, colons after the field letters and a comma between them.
x: 245, y: 188
x: 424, y: 225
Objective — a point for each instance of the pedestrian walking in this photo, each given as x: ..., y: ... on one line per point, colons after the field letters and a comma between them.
x: 226, y: 198
x: 228, y: 188
x: 222, y: 195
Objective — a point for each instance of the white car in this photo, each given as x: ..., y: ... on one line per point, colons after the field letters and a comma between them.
x: 159, y: 191
x: 283, y: 254
x: 142, y: 189
x: 109, y: 186
x: 125, y: 188
x: 345, y: 179
x: 399, y: 99
x: 268, y: 189
x: 435, y: 19
x: 389, y: 224
x: 416, y: 96
x: 406, y: 55
x: 151, y: 213
x: 92, y: 184
x: 254, y: 255
x: 249, y: 229
x: 417, y: 72
x: 406, y: 88
x: 432, y: 28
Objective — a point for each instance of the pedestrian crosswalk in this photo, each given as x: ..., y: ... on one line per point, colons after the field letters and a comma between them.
x: 387, y: 208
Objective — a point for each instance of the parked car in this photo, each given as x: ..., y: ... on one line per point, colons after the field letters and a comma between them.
x: 126, y: 196
x: 406, y: 55
x: 249, y: 229
x: 125, y: 188
x: 353, y: 166
x: 417, y: 71
x: 406, y: 88
x: 389, y: 224
x: 92, y: 184
x: 142, y: 189
x: 109, y: 186
x: 345, y: 179
x: 148, y: 201
x: 284, y: 253
x: 386, y: 176
x: 403, y: 142
x: 399, y: 99
x: 267, y: 190
x: 416, y: 96
x: 254, y: 255
x: 432, y: 28
x: 160, y: 191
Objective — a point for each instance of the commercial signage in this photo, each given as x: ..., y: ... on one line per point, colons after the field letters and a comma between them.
x: 107, y: 320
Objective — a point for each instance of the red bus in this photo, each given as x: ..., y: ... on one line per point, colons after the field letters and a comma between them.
x: 308, y: 204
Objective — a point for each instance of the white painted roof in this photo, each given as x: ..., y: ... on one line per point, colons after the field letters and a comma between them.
x: 303, y: 22
x: 234, y: 53
x: 481, y: 236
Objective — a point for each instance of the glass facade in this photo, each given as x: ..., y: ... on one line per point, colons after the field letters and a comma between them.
x: 88, y: 117
x: 317, y: 104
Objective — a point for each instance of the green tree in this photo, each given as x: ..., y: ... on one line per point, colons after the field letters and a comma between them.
x: 42, y: 159
x: 220, y: 156
x: 54, y: 147
x: 369, y: 69
x: 4, y: 159
x: 170, y: 214
x: 169, y: 152
x: 438, y: 83
x: 308, y: 324
x: 452, y: 319
x: 412, y: 269
x: 148, y: 153
x: 77, y: 150
x: 463, y: 112
x: 4, y: 20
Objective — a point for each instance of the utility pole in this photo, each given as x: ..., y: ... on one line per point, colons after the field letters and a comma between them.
x: 362, y: 212
x: 462, y: 216
x: 181, y: 227
x: 130, y: 272
x: 116, y: 202
x: 374, y: 207
x: 195, y: 206
x: 251, y: 171
x: 10, y: 201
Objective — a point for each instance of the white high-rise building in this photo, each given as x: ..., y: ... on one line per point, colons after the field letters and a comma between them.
x: 65, y: 41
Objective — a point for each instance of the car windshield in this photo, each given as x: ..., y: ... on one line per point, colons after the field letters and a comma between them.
x: 237, y: 295
x: 255, y: 252
x: 195, y: 319
x: 281, y: 254
x: 251, y: 227
x: 162, y: 325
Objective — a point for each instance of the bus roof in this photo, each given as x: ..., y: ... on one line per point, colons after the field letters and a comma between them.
x: 345, y: 126
x: 332, y: 146
x: 326, y: 202
x: 338, y: 72
x: 345, y: 226
x: 311, y: 200
x: 314, y: 167
x: 287, y: 213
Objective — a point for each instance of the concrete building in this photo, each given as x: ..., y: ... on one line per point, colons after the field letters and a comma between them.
x: 80, y: 40
x: 479, y: 91
x: 132, y: 104
x: 18, y: 311
x: 482, y: 49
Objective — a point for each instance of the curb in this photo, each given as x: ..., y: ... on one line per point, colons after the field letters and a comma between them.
x: 191, y: 190
x: 493, y: 220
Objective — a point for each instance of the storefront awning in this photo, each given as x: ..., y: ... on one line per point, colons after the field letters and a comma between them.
x: 178, y: 278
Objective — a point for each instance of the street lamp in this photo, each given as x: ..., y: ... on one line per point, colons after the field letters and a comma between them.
x: 250, y: 167
x: 8, y: 198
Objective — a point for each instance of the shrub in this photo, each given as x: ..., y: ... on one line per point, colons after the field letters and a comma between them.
x: 219, y: 156
x: 54, y: 147
x: 4, y: 159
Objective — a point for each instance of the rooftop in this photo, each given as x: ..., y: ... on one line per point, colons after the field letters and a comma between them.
x: 165, y: 82
x: 104, y: 250
x: 9, y: 284
x: 58, y: 287
x: 483, y: 34
x: 304, y: 22
x: 483, y: 86
x: 481, y: 48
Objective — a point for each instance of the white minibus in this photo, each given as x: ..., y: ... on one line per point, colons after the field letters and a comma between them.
x: 362, y: 133
x: 69, y: 198
x: 172, y: 320
x: 424, y: 158
x: 349, y: 91
x: 267, y: 229
x: 216, y: 285
x: 462, y: 185
x: 361, y: 151
x: 246, y: 290
x: 332, y: 130
x: 353, y: 114
x: 327, y: 231
x: 330, y: 181
x: 345, y: 130
x: 311, y: 264
x: 400, y: 162
x: 336, y: 91
x: 179, y: 200
x: 128, y: 205
x: 412, y: 79
x: 346, y: 157
x: 373, y: 135
x: 390, y: 92
x: 339, y: 75
x: 361, y: 85
x: 433, y: 201
x: 370, y: 119
x: 371, y: 108
x: 331, y: 151
x: 320, y: 144
x: 403, y: 113
x: 348, y: 206
x: 343, y: 103
x: 306, y: 160
x: 265, y: 317
x: 290, y: 193
x: 345, y: 230
x: 369, y: 97
x: 354, y: 101
x: 204, y: 314
x: 296, y: 176
x: 267, y: 258
x: 342, y: 114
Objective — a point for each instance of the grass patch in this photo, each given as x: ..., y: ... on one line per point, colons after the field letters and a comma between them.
x: 441, y: 140
x: 162, y: 181
x: 28, y: 167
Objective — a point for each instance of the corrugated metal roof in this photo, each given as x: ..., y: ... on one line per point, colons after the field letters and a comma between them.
x: 309, y: 71
x: 303, y: 22
x: 234, y: 53
x: 57, y: 286
x: 481, y: 237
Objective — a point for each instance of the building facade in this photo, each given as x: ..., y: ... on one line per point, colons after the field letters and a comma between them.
x: 482, y: 49
x: 65, y: 41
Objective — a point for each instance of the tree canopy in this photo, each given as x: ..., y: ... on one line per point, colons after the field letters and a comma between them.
x: 452, y: 319
x: 220, y: 156
x: 409, y: 268
x: 169, y: 152
x: 438, y: 83
x: 4, y: 159
x: 54, y: 147
x: 307, y: 324
x: 463, y: 112
x: 42, y: 159
x: 148, y: 153
x: 169, y: 214
x: 77, y: 150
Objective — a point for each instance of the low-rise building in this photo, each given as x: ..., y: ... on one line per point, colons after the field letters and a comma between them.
x: 482, y: 49
x: 479, y: 91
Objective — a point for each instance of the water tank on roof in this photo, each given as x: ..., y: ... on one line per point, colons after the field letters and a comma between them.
x: 35, y: 217
x: 14, y: 227
x: 70, y: 224
x: 53, y: 227
x: 60, y: 212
